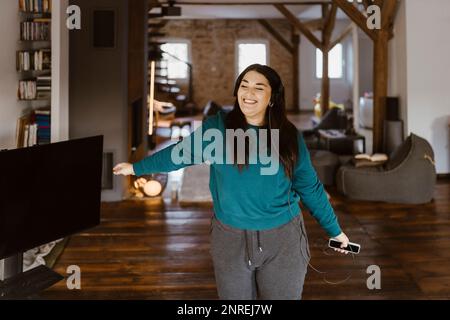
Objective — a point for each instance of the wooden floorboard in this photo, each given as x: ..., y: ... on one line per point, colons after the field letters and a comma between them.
x: 139, y: 252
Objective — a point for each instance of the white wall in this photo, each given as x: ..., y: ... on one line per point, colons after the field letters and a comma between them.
x: 340, y: 89
x: 365, y: 63
x: 428, y: 69
x: 10, y: 108
x: 98, y: 87
x: 397, y: 64
x: 60, y: 72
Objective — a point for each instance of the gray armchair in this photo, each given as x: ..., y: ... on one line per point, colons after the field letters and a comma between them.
x: 408, y: 177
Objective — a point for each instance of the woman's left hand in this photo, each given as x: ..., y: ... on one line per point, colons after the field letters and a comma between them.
x: 124, y: 168
x: 343, y: 239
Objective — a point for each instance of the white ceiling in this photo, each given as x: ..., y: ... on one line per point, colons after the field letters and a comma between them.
x: 247, y: 11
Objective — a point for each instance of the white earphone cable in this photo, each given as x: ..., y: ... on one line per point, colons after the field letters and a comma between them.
x: 302, y: 234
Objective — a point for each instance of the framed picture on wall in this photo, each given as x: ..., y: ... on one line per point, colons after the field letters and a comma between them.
x: 104, y: 30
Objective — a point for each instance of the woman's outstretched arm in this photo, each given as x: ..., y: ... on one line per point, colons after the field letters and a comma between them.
x: 313, y: 195
x: 186, y: 152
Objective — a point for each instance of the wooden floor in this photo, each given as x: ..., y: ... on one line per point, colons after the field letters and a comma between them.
x: 143, y: 253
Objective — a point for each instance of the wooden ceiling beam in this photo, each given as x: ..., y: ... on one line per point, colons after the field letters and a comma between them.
x: 315, y: 24
x: 356, y: 16
x: 276, y: 35
x: 329, y: 26
x: 298, y: 25
x: 325, y: 11
x: 378, y: 2
x: 388, y: 11
x: 367, y: 3
x: 240, y: 3
x: 342, y: 36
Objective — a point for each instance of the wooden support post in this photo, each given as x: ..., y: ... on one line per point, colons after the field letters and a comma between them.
x: 330, y: 19
x: 326, y: 24
x: 381, y: 59
x: 303, y: 29
x: 325, y: 15
x: 380, y: 88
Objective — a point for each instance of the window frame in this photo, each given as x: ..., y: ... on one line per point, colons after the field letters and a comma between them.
x: 343, y: 65
x: 189, y: 53
x: 249, y: 41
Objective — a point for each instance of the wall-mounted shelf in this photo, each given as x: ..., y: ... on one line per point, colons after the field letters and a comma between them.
x: 33, y: 65
x: 34, y: 71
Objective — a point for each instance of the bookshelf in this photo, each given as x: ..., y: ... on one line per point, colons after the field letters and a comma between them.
x: 33, y: 65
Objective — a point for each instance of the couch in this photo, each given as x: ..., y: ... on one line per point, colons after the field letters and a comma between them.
x: 408, y: 177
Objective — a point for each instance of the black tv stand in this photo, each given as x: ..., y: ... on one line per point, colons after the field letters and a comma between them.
x: 23, y: 285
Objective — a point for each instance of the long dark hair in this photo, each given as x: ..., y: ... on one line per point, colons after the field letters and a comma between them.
x: 288, y: 141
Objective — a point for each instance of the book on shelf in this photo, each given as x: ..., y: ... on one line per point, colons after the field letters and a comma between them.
x: 42, y: 20
x: 43, y: 122
x: 26, y: 135
x: 43, y: 83
x: 22, y: 130
x: 42, y: 113
x: 35, y: 25
x: 35, y: 6
x: 32, y: 89
x: 37, y: 60
x: 45, y: 59
x: 27, y: 90
x: 33, y: 128
x: 32, y: 131
x: 43, y: 95
x: 35, y: 30
x: 44, y: 78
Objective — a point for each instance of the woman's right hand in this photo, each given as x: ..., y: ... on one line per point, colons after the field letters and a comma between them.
x: 124, y: 168
x: 343, y: 239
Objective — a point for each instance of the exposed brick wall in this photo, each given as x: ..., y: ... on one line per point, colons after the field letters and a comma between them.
x: 213, y: 54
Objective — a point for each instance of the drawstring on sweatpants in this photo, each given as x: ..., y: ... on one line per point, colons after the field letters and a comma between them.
x: 247, y: 246
x: 259, y: 243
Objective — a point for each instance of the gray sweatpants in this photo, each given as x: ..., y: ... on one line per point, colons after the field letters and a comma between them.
x: 269, y: 264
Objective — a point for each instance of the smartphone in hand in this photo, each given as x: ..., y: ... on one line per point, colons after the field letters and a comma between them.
x: 351, y: 248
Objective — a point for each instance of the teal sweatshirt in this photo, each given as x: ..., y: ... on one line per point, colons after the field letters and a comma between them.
x: 247, y: 199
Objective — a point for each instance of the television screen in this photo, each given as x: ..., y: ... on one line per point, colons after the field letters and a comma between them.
x: 48, y: 192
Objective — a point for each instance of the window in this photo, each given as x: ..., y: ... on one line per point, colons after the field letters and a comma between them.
x: 176, y: 69
x: 335, y: 63
x: 250, y: 53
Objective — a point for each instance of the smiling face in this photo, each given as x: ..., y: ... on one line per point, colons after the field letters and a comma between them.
x: 254, y: 97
